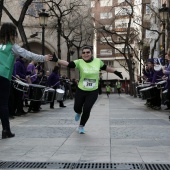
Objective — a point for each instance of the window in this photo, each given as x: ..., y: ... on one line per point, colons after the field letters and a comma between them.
x: 105, y: 15
x: 109, y: 62
x: 106, y: 52
x: 122, y: 23
x: 92, y: 4
x: 105, y: 39
x: 109, y: 27
x: 122, y: 50
x: 33, y: 8
x: 123, y: 10
x: 151, y: 34
x: 120, y: 1
x: 105, y: 3
x: 148, y: 9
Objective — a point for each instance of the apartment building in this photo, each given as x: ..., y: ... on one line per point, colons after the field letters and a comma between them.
x: 112, y: 14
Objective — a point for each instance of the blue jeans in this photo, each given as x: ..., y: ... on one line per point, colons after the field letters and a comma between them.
x: 4, y: 97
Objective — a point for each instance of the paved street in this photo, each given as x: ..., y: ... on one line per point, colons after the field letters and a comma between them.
x: 120, y: 130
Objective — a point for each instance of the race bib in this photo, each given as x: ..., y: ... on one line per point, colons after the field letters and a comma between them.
x: 89, y: 83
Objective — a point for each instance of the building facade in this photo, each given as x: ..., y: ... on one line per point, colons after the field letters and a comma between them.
x: 32, y: 27
x: 114, y: 16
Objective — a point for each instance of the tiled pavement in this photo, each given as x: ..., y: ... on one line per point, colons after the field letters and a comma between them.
x: 120, y: 129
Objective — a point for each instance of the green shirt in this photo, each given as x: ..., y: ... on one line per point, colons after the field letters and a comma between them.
x: 6, y: 61
x: 118, y: 85
x: 89, y: 73
x: 108, y: 88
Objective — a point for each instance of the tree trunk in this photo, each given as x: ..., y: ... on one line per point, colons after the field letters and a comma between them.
x: 1, y: 7
x: 23, y: 37
x: 59, y: 38
x: 68, y: 59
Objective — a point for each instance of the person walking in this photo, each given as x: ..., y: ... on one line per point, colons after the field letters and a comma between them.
x: 9, y: 49
x: 118, y: 87
x: 108, y: 90
x: 87, y: 91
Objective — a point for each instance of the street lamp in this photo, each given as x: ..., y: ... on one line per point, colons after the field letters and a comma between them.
x: 43, y: 16
x: 164, y: 17
x: 133, y: 81
x: 140, y: 45
x: 70, y: 58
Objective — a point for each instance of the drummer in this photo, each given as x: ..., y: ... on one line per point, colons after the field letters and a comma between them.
x: 157, y: 77
x: 34, y: 106
x: 54, y: 82
x: 148, y: 73
x: 16, y: 107
x: 166, y: 71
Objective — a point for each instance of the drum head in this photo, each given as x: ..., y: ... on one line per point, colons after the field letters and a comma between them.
x: 147, y: 88
x: 144, y: 85
x: 157, y: 67
x: 49, y: 89
x: 36, y: 85
x: 165, y: 91
x: 59, y: 91
x: 161, y: 82
x: 22, y: 83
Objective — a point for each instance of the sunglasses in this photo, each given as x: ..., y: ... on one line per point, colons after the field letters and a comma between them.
x: 87, y: 52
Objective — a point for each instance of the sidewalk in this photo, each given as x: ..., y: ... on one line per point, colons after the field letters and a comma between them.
x: 120, y: 130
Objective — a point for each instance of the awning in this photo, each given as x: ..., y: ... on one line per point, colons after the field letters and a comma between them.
x: 112, y: 76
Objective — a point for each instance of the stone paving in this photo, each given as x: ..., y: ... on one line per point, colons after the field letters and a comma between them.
x: 120, y: 130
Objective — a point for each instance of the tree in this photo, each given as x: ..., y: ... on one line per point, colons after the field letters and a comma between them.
x: 68, y: 20
x: 123, y: 35
x: 1, y: 7
x: 19, y: 22
x: 59, y: 10
x: 77, y: 31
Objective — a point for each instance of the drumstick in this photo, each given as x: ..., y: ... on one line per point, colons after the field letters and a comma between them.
x: 19, y: 78
x: 33, y: 75
x: 56, y: 84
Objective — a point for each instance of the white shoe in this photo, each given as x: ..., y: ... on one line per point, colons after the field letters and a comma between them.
x: 81, y: 130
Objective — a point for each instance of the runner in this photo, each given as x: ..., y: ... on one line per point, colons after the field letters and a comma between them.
x: 87, y: 91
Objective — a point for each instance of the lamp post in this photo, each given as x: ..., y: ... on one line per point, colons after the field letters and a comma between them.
x: 70, y: 58
x: 133, y: 81
x: 140, y: 45
x: 43, y: 16
x: 164, y: 17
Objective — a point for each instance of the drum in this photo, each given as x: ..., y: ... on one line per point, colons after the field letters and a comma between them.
x: 48, y: 95
x: 161, y: 84
x: 149, y: 92
x: 59, y: 94
x: 138, y: 88
x: 35, y: 92
x: 21, y: 86
x: 157, y: 67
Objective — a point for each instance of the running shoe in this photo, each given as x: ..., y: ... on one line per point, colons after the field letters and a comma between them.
x: 81, y: 130
x: 77, y: 117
